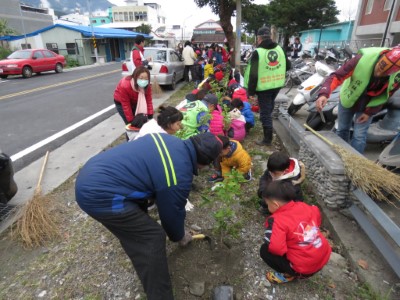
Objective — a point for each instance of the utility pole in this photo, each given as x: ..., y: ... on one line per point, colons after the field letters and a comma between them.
x: 324, y: 10
x: 23, y: 25
x: 388, y: 22
x: 96, y: 55
x: 238, y: 33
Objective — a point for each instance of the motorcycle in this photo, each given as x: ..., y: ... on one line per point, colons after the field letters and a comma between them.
x: 390, y: 156
x: 307, y: 91
x: 384, y: 127
x: 299, y: 72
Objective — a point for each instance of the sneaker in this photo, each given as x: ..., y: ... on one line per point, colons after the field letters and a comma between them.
x: 216, y: 178
x: 278, y: 278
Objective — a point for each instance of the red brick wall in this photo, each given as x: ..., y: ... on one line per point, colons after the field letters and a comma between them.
x: 378, y: 15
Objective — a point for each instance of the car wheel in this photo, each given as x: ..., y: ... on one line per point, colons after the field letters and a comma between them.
x: 59, y: 68
x: 173, y: 83
x: 3, y: 76
x: 27, y: 72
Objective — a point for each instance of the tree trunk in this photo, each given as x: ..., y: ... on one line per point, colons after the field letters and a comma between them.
x: 225, y: 14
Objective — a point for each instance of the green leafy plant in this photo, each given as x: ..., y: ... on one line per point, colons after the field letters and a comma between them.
x: 4, y: 52
x: 227, y: 194
x: 71, y: 63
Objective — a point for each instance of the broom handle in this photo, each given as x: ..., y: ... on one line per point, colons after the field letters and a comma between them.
x: 319, y: 135
x: 46, y: 158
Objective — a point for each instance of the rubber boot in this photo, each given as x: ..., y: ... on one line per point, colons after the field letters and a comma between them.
x: 267, y: 141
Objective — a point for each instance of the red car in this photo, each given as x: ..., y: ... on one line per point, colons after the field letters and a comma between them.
x: 29, y: 61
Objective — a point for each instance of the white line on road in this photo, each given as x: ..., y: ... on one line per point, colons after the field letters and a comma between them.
x: 59, y: 134
x: 3, y: 81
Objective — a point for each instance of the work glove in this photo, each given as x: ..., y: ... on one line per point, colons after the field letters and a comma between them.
x: 186, y: 239
x: 149, y: 117
x: 189, y: 206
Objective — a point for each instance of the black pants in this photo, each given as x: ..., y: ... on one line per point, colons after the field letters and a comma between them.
x: 279, y: 263
x: 186, y: 73
x: 120, y: 110
x: 143, y: 240
x: 266, y: 102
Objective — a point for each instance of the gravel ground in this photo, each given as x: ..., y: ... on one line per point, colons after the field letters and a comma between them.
x: 87, y: 262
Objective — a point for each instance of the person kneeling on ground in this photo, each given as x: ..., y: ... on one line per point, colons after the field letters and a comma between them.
x: 233, y: 156
x: 237, y: 131
x: 280, y: 167
x: 196, y: 116
x: 169, y: 120
x: 245, y: 109
x: 114, y: 186
x: 293, y: 244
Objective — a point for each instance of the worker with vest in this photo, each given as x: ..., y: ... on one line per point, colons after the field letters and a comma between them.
x: 368, y: 80
x: 264, y: 77
x: 137, y: 53
x: 197, y: 116
x: 114, y: 186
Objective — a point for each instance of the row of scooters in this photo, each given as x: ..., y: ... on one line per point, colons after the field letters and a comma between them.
x: 385, y: 125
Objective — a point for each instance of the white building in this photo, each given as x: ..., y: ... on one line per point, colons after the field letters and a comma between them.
x: 135, y: 13
x: 74, y: 19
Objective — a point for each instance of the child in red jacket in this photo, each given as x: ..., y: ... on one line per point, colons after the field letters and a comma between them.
x: 294, y: 246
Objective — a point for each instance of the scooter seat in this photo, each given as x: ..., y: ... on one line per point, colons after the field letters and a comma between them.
x: 394, y: 102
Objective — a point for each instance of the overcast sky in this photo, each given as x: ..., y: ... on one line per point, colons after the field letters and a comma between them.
x: 178, y: 10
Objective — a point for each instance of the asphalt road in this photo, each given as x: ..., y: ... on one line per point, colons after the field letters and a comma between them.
x: 36, y: 108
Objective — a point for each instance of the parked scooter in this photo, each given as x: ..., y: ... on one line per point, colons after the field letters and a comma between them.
x: 384, y: 127
x: 8, y: 187
x: 309, y: 88
x: 390, y: 156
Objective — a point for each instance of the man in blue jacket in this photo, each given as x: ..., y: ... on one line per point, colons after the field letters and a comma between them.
x: 114, y: 187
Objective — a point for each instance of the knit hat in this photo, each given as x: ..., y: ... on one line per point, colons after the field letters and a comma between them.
x: 235, y: 114
x: 208, y: 148
x: 264, y: 32
x: 190, y: 97
x: 389, y: 62
x: 219, y: 76
x: 211, y: 99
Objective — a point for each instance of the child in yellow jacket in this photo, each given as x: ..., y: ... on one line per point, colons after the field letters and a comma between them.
x: 209, y: 68
x: 233, y: 156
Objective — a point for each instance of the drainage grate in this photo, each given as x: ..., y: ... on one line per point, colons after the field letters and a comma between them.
x: 6, y: 211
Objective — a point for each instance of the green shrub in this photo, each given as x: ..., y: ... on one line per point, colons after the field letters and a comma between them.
x: 71, y: 63
x: 4, y: 52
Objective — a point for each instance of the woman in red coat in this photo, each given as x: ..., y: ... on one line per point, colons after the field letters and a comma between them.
x: 133, y: 95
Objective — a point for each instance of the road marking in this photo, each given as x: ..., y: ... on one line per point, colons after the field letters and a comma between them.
x: 3, y: 81
x: 59, y: 134
x: 56, y: 85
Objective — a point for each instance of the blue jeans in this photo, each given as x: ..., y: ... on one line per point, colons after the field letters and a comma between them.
x: 360, y: 130
x: 266, y: 102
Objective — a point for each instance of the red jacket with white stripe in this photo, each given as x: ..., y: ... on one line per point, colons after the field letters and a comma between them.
x: 128, y: 97
x: 293, y: 230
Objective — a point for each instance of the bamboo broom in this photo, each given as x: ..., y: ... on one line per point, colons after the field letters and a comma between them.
x: 36, y: 224
x: 156, y: 88
x: 366, y: 175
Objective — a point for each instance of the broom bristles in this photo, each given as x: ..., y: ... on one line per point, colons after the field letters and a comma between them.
x: 366, y: 175
x: 36, y: 225
x: 373, y: 179
x: 156, y: 88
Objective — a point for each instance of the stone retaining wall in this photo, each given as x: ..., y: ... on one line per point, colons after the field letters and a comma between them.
x: 325, y: 170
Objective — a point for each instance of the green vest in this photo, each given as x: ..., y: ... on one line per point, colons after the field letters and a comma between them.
x: 271, y: 69
x: 192, y: 123
x: 355, y: 86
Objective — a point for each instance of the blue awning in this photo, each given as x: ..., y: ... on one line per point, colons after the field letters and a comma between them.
x: 86, y: 31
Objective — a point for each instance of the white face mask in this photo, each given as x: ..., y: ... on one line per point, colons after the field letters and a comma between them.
x: 142, y: 83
